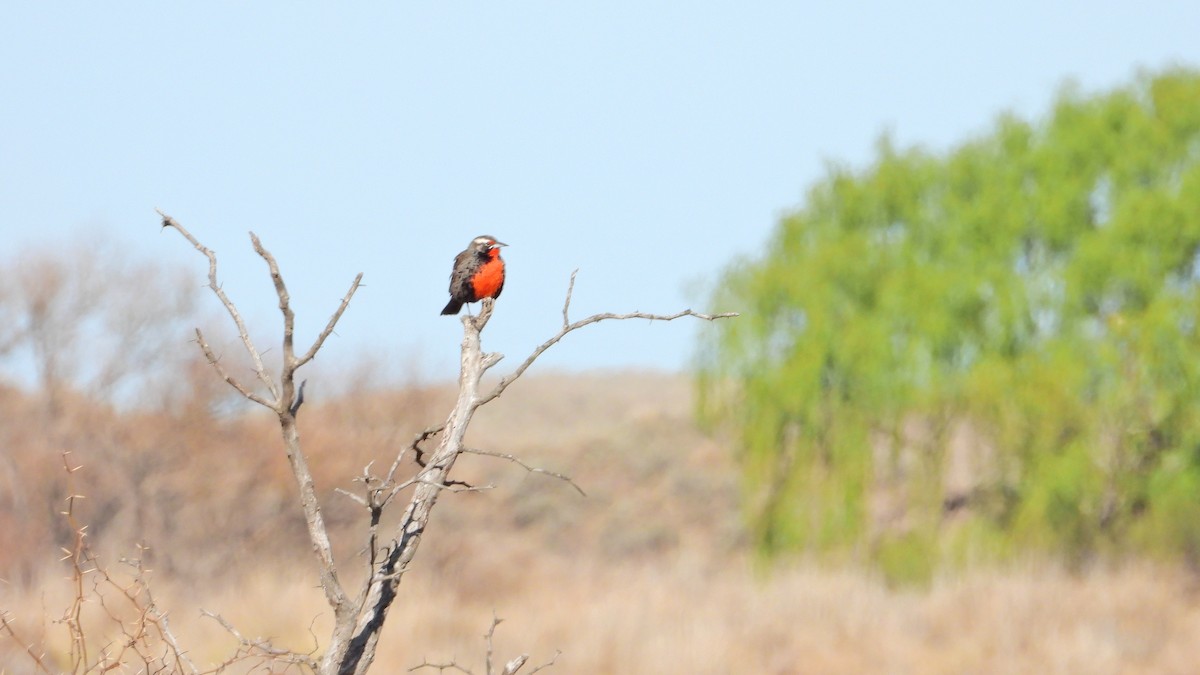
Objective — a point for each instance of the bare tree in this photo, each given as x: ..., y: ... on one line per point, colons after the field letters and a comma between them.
x: 52, y: 310
x: 92, y: 320
x: 359, y: 618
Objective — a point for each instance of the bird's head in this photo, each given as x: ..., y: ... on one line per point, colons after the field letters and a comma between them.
x: 487, y: 245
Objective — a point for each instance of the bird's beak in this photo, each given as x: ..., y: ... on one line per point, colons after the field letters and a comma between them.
x: 498, y: 244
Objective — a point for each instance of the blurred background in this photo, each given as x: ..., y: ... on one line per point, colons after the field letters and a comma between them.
x: 954, y: 429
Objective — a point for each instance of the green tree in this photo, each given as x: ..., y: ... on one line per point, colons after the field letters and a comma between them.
x: 961, y: 355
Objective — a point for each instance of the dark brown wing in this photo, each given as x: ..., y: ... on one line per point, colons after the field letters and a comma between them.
x: 465, y: 265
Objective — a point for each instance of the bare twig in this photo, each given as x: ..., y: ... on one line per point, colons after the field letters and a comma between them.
x: 510, y: 668
x: 78, y: 556
x: 358, y: 498
x: 441, y: 667
x: 531, y: 469
x: 170, y: 638
x: 548, y: 664
x: 261, y: 647
x: 488, y: 636
x: 331, y: 324
x: 416, y: 447
x: 570, y: 292
x: 215, y: 362
x: 456, y: 486
x: 7, y: 627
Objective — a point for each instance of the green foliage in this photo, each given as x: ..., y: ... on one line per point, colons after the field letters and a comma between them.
x: 1026, y: 305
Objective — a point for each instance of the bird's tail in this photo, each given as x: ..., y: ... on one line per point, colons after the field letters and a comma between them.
x: 452, y: 307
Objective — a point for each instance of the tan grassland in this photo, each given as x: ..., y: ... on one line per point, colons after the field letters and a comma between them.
x: 650, y: 573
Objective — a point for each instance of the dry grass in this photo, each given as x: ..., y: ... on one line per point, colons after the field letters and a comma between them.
x: 681, y: 616
x: 648, y: 574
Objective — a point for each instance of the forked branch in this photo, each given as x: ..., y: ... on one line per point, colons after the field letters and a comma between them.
x: 243, y: 333
x: 284, y: 399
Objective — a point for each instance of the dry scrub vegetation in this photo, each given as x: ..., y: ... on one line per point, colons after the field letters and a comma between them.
x: 647, y: 574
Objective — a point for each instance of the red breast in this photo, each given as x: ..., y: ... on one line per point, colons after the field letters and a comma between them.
x: 488, y: 281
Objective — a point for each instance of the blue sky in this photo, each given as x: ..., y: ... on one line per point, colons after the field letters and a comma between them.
x: 645, y: 143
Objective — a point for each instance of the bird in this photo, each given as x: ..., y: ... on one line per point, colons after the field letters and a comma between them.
x: 478, y: 273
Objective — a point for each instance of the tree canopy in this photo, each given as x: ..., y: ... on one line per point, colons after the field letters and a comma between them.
x: 961, y: 355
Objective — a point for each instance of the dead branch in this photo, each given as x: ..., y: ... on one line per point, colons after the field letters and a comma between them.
x: 490, y: 634
x: 441, y: 667
x: 510, y: 668
x: 260, y: 647
x: 549, y: 664
x: 7, y: 627
x: 285, y: 401
x: 531, y: 469
x: 215, y: 362
x: 568, y: 327
x: 215, y: 286
x: 78, y: 557
x: 515, y: 665
x: 169, y: 635
x: 416, y: 447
